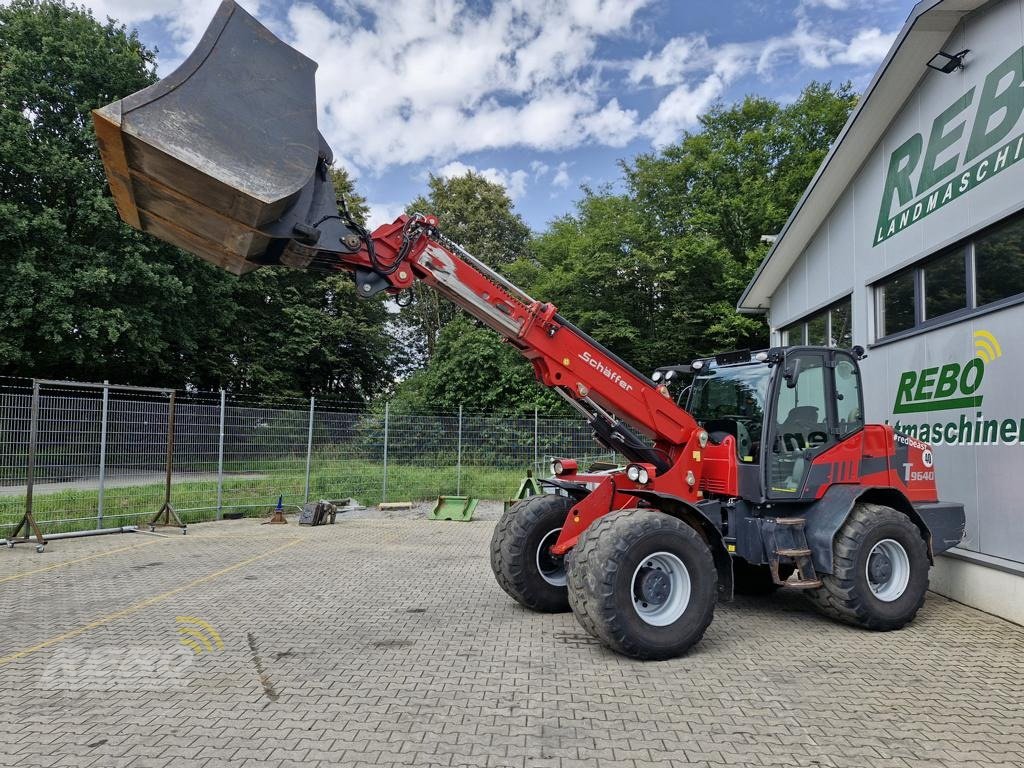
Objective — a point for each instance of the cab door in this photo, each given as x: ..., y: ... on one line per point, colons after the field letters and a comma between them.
x: 800, y: 421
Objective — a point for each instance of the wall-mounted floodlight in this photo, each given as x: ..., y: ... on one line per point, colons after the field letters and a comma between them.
x: 948, y: 62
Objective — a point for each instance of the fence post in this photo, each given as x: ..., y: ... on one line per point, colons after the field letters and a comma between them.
x: 458, y: 467
x: 103, y: 455
x: 384, y: 490
x: 536, y: 442
x: 30, y: 466
x: 220, y: 458
x: 309, y: 446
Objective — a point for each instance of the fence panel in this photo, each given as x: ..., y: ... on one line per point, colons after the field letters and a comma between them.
x: 101, y: 458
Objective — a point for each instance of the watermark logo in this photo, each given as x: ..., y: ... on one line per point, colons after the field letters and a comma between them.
x: 951, y: 386
x: 117, y: 668
x: 198, y: 635
x: 80, y: 667
x: 986, y: 346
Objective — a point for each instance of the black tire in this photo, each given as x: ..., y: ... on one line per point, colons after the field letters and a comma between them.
x: 750, y: 579
x: 846, y: 594
x: 514, y: 556
x: 601, y: 568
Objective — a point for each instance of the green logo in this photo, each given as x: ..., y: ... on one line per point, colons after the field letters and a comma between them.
x: 989, y: 151
x: 950, y: 386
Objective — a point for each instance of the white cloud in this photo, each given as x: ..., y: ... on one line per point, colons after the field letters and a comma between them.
x: 868, y: 46
x: 539, y: 168
x: 514, y: 182
x: 429, y: 81
x: 438, y: 79
x: 700, y: 72
x: 383, y: 213
x: 561, y: 178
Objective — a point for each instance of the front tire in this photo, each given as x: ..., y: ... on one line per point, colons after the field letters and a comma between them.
x: 520, y: 559
x: 879, y: 570
x: 643, y: 583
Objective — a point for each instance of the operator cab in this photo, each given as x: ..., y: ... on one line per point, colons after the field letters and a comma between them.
x: 777, y: 408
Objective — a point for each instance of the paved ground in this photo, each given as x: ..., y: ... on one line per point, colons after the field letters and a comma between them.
x: 384, y: 641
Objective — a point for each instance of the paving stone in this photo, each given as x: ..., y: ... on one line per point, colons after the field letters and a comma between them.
x: 386, y: 642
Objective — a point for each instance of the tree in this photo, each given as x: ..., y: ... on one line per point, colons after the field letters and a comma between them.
x: 712, y: 196
x: 83, y: 295
x: 87, y: 297
x: 474, y: 368
x: 477, y: 214
x: 467, y: 364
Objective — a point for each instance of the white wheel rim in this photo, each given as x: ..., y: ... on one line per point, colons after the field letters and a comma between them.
x: 888, y: 570
x: 553, y: 575
x: 652, y: 577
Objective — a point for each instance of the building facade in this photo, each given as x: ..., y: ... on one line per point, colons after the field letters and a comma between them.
x: 910, y: 242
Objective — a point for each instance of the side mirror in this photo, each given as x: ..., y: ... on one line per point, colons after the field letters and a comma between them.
x: 792, y: 373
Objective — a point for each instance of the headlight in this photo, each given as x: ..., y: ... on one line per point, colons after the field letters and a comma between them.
x: 556, y: 467
x: 656, y: 376
x: 633, y: 472
x: 697, y: 365
x: 643, y: 477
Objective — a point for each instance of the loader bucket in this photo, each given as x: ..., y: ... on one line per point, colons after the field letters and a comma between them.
x: 212, y: 156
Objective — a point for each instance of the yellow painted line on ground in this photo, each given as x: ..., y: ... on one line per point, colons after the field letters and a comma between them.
x: 110, y: 617
x: 22, y: 575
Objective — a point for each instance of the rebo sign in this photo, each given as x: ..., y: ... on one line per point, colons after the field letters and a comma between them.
x: 993, y: 114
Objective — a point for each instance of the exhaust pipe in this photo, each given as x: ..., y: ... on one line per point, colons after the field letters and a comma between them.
x: 222, y: 157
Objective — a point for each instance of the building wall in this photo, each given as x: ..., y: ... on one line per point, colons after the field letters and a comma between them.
x: 843, y: 258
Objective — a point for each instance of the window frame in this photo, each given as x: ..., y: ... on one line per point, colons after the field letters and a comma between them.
x: 803, y: 324
x: 922, y: 324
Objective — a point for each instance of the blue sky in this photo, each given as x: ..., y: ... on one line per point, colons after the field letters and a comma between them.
x: 539, y: 95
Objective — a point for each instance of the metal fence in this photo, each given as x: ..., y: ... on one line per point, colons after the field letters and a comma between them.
x: 102, y: 453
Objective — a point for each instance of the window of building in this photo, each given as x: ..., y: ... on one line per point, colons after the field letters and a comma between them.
x: 829, y: 327
x: 897, y: 303
x: 983, y: 270
x: 945, y: 284
x: 999, y: 262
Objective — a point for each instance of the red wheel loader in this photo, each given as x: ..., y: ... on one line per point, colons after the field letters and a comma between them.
x: 761, y: 473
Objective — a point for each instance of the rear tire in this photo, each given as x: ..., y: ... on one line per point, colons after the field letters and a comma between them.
x: 879, y: 570
x: 643, y: 583
x: 519, y: 558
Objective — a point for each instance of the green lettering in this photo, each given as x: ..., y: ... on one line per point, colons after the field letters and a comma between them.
x: 940, y: 140
x: 948, y: 378
x: 924, y: 384
x: 1009, y: 101
x: 973, y: 373
x: 905, y: 391
x: 1008, y: 431
x: 991, y: 432
x: 897, y: 179
x: 949, y: 432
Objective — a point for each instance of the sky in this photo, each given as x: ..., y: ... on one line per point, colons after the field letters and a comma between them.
x: 541, y: 96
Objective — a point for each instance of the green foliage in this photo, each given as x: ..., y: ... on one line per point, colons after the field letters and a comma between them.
x: 477, y: 214
x: 474, y: 368
x: 655, y: 273
x: 345, y: 190
x: 87, y: 297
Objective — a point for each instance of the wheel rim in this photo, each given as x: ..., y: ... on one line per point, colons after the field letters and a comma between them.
x: 888, y: 570
x: 660, y: 589
x: 551, y: 567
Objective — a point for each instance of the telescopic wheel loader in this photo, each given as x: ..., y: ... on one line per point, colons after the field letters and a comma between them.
x: 767, y: 476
